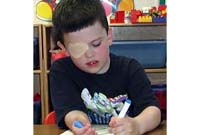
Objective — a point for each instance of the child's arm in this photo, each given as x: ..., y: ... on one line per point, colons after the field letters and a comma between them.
x: 73, y: 116
x: 147, y: 120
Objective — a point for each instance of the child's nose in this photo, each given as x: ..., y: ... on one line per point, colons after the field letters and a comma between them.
x: 89, y: 53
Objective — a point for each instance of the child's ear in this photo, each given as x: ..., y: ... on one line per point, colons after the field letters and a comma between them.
x: 61, y: 46
x: 110, y: 36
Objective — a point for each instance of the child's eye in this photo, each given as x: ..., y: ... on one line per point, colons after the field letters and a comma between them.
x: 96, y: 44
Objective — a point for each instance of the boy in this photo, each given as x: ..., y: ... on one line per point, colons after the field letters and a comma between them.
x: 81, y: 27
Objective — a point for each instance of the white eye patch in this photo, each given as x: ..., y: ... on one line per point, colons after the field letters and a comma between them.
x: 77, y: 49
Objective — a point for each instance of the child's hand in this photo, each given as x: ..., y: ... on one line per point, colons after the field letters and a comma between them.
x: 124, y: 126
x: 86, y: 130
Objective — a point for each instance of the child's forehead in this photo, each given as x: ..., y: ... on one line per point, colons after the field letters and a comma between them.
x: 86, y: 39
x: 87, y: 34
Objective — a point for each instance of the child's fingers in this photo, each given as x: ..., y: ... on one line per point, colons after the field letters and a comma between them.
x: 81, y: 131
x: 91, y: 131
x: 112, y: 121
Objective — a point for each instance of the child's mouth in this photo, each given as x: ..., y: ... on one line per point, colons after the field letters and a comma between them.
x: 92, y: 63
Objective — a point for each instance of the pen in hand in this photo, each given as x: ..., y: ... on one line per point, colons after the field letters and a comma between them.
x: 125, y: 108
x: 78, y: 124
x: 122, y: 114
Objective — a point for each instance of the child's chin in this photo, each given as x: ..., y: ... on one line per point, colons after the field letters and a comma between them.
x: 93, y: 71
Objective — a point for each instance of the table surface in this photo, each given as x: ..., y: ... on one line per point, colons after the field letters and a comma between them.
x: 54, y: 130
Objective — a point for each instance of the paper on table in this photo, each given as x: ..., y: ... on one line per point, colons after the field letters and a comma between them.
x: 101, y: 130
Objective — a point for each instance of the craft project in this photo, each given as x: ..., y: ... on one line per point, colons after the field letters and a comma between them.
x: 100, y: 129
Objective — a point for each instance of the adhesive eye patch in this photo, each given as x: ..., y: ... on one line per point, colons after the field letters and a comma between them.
x: 77, y: 49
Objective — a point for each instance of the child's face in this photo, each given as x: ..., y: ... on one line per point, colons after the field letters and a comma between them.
x: 89, y: 48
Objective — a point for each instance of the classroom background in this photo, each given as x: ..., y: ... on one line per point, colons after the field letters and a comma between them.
x: 139, y: 31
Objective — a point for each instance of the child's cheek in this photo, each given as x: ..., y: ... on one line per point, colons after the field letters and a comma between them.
x: 103, y: 50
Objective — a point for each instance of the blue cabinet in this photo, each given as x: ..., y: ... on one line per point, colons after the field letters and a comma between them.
x: 151, y: 53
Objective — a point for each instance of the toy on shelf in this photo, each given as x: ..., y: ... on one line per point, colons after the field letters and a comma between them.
x: 159, y: 15
x: 121, y: 10
x: 44, y: 9
x: 159, y: 19
x: 145, y: 18
x: 146, y: 15
x: 57, y: 54
x: 125, y: 5
x: 126, y: 13
x: 135, y: 15
x: 119, y: 17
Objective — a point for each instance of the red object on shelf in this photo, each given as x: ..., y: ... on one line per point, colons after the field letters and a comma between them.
x: 50, y: 118
x: 134, y: 19
x: 36, y: 97
x: 134, y: 15
x: 57, y: 55
x: 161, y: 96
x: 112, y: 20
x: 119, y: 16
x: 162, y: 7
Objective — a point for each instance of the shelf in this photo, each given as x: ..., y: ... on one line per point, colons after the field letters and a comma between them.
x: 37, y: 71
x: 136, y: 24
x: 156, y: 70
x: 37, y: 29
x: 48, y: 24
x: 36, y: 24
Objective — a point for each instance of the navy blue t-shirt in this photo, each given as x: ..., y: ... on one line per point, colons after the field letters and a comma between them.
x: 125, y: 76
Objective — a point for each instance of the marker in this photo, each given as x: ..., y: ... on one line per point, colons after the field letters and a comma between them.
x: 78, y: 124
x: 125, y: 108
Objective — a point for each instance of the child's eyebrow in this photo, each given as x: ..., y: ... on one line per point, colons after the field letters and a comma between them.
x: 95, y: 40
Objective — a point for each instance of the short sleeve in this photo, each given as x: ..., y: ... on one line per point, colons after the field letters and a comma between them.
x: 140, y: 89
x: 65, y: 96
